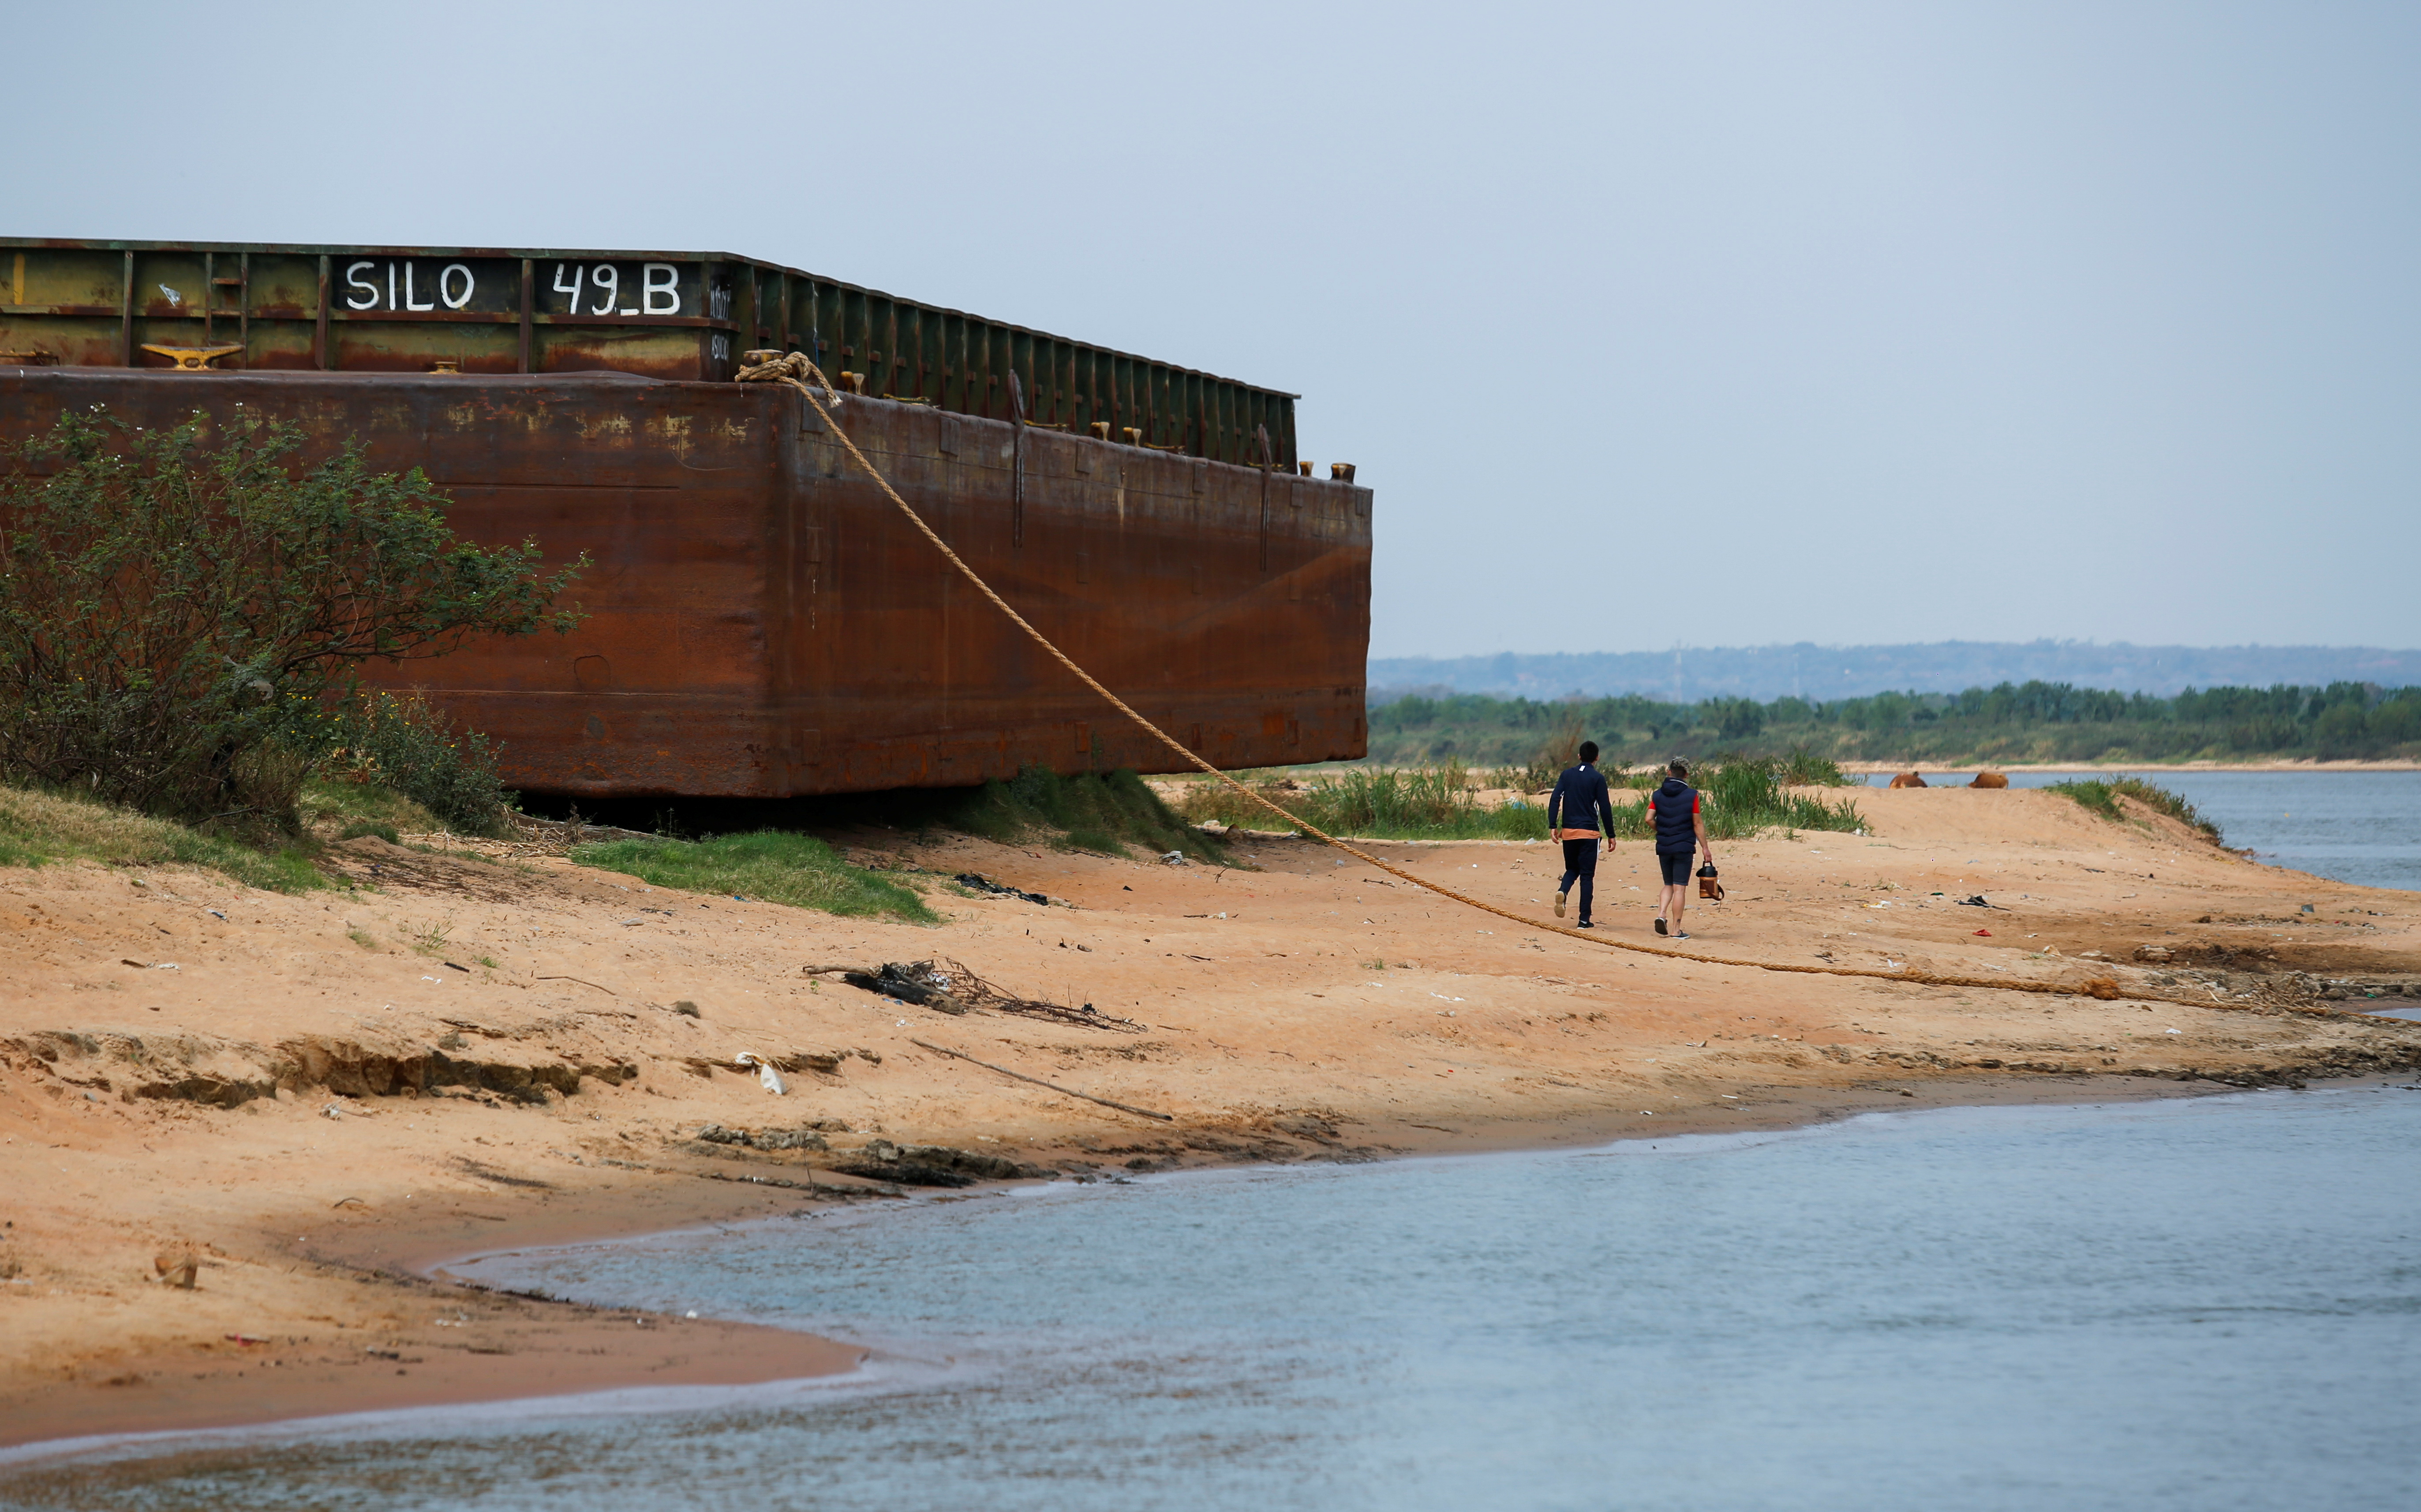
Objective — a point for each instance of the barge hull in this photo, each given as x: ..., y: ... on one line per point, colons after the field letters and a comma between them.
x: 763, y: 623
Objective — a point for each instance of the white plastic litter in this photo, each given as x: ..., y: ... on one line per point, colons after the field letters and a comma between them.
x: 1175, y: 858
x: 766, y: 1076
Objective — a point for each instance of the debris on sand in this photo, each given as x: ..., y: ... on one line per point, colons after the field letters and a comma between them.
x: 766, y: 1075
x: 936, y: 1165
x: 982, y: 883
x: 948, y: 986
x: 918, y: 983
x: 764, y: 1139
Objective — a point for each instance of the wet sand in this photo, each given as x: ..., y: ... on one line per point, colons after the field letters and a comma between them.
x: 1331, y: 1014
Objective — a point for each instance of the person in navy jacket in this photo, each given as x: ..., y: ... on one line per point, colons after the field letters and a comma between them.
x: 1674, y: 807
x: 1579, y: 808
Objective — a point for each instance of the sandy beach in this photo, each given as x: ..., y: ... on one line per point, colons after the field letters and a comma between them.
x: 317, y: 1100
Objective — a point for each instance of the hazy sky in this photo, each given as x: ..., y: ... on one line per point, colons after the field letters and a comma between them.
x: 1703, y: 323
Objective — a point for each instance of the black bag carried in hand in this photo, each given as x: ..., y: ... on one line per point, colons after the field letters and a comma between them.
x: 1707, y: 886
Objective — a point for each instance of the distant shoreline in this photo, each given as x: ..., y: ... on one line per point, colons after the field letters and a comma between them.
x: 1933, y: 764
x: 1874, y: 768
x: 1806, y: 670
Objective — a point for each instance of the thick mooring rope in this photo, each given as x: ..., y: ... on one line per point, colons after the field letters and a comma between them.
x: 793, y: 371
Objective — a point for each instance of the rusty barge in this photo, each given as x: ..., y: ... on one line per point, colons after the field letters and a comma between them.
x: 762, y: 623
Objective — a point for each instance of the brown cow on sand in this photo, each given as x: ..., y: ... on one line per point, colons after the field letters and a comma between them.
x: 1908, y: 779
x: 1991, y: 779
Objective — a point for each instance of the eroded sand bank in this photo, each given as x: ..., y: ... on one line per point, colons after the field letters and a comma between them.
x: 329, y: 1094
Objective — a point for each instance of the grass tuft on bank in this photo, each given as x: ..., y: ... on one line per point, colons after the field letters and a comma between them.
x: 38, y: 827
x: 1743, y: 796
x: 1748, y: 795
x: 362, y: 808
x: 2101, y: 795
x: 776, y: 866
x: 1102, y: 812
x: 1423, y: 804
x: 1798, y: 766
x: 1431, y: 802
x: 1108, y: 813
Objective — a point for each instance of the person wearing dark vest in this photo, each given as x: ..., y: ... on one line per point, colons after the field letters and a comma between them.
x: 1674, y: 807
x: 1578, y: 808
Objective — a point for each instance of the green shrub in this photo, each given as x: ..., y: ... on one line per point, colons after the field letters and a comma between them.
x: 1746, y: 795
x: 1803, y: 767
x: 407, y: 746
x: 1560, y: 750
x: 1430, y: 801
x: 179, y: 606
x: 773, y: 864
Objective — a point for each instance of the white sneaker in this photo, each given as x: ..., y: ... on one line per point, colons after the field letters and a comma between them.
x: 1560, y: 905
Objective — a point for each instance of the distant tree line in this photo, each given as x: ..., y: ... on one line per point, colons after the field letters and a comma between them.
x: 2012, y: 722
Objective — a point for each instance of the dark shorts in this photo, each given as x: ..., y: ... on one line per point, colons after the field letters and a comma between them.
x: 1676, y: 868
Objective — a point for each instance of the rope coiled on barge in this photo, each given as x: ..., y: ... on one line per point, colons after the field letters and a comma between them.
x: 794, y: 370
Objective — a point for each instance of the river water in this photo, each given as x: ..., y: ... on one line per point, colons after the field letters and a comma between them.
x: 2355, y: 826
x: 2198, y: 1305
